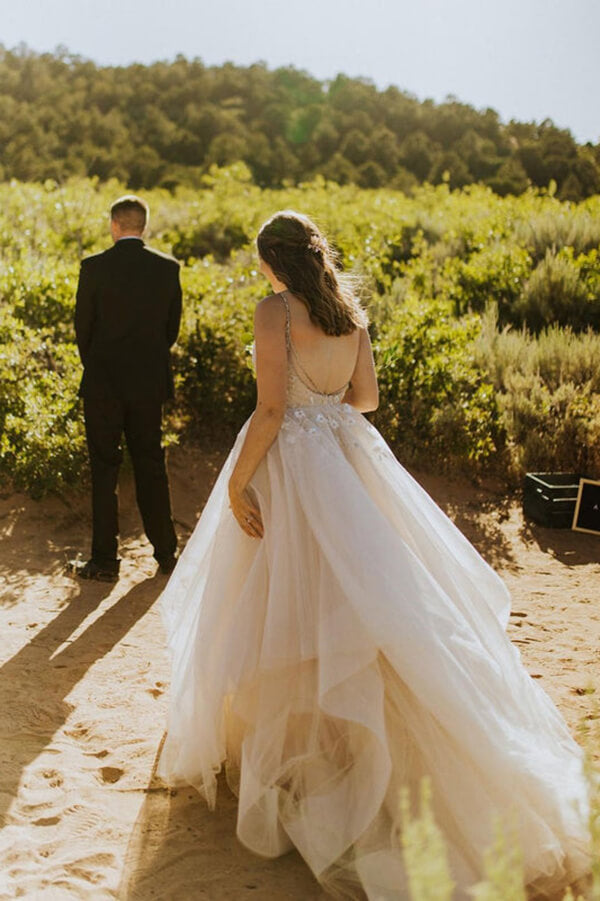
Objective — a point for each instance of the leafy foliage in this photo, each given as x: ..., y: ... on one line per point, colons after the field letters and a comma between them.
x: 42, y: 443
x: 548, y: 392
x: 484, y: 320
x: 424, y: 850
x: 166, y: 124
x: 563, y: 288
x: 435, y: 403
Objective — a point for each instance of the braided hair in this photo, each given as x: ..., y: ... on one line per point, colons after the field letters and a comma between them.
x: 301, y: 257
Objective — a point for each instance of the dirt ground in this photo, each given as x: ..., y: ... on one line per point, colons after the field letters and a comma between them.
x: 84, y: 682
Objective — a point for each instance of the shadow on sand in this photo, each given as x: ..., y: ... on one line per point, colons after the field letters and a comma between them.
x: 179, y: 849
x: 477, y: 513
x: 39, y: 677
x: 570, y: 548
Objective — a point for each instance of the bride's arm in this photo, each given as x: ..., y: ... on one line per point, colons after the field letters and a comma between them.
x: 271, y: 381
x: 363, y: 392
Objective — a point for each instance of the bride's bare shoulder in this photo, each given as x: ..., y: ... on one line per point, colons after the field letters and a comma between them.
x: 270, y: 311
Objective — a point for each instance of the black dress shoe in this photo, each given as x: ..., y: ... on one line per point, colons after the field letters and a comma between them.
x: 92, y: 570
x: 166, y: 565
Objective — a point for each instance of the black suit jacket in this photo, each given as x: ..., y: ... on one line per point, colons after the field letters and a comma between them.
x: 127, y: 317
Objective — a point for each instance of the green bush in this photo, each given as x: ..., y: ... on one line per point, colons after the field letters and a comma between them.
x: 562, y: 289
x: 40, y: 296
x: 436, y: 405
x: 425, y: 851
x: 562, y: 225
x: 214, y: 378
x: 548, y: 393
x: 456, y: 388
x: 496, y: 273
x: 42, y: 444
x: 551, y: 430
x: 215, y: 238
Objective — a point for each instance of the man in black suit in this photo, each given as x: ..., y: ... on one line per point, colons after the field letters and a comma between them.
x: 127, y: 317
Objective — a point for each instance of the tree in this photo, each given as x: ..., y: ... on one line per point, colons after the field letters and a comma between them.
x: 449, y: 167
x: 170, y: 121
x: 571, y: 188
x: 326, y: 138
x: 383, y: 149
x: 511, y: 178
x: 226, y: 149
x: 479, y: 154
x: 340, y: 169
x: 145, y: 168
x: 530, y: 157
x: 587, y: 173
x: 355, y: 147
x: 371, y: 175
x: 417, y: 154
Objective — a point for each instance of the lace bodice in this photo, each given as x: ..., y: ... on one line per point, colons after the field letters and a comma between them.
x: 301, y: 391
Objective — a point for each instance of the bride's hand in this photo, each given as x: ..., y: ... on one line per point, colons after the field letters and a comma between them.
x: 246, y: 512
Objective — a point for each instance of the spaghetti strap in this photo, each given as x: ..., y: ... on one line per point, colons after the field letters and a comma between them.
x: 296, y: 363
x: 288, y: 338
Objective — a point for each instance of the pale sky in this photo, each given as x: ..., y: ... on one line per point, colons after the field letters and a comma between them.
x: 527, y: 59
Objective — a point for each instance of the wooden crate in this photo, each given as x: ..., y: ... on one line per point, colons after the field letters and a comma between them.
x: 549, y: 498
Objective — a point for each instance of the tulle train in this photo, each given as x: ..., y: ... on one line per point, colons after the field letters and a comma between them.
x: 357, y: 647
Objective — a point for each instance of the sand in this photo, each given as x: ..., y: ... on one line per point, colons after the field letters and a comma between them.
x: 85, y: 679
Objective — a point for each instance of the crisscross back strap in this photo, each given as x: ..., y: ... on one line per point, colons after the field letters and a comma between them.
x: 295, y: 360
x: 288, y: 336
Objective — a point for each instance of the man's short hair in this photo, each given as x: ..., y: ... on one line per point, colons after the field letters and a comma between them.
x: 131, y: 212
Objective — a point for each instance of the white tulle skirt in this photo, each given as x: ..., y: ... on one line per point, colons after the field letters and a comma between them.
x: 357, y: 647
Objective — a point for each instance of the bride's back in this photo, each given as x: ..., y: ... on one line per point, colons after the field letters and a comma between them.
x: 328, y: 348
x: 328, y: 360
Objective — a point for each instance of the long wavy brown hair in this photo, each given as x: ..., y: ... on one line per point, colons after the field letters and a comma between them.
x: 300, y: 256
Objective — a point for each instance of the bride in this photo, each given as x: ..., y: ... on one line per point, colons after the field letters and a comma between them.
x: 334, y: 636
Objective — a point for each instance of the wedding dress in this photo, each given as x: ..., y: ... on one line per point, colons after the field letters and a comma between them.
x: 357, y: 647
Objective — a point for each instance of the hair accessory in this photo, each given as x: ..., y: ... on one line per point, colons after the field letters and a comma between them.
x: 317, y: 244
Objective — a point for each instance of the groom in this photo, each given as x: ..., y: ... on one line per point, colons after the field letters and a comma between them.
x: 127, y: 317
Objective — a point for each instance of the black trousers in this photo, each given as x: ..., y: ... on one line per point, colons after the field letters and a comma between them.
x: 106, y: 420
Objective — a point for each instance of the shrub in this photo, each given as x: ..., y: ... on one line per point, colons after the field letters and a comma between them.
x: 41, y: 296
x: 42, y: 444
x: 559, y: 226
x: 562, y: 289
x: 436, y: 405
x: 425, y: 851
x: 217, y: 239
x: 495, y: 273
x: 551, y: 429
x: 215, y: 382
x: 548, y: 393
x: 433, y: 262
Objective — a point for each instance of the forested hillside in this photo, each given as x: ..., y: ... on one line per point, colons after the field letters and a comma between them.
x: 165, y: 124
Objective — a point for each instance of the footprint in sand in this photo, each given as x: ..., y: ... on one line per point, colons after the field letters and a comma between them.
x: 46, y: 821
x: 99, y: 754
x: 55, y: 780
x: 78, y: 730
x: 158, y: 690
x: 111, y: 774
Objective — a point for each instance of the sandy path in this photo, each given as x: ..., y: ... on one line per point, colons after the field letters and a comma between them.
x: 82, y: 697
